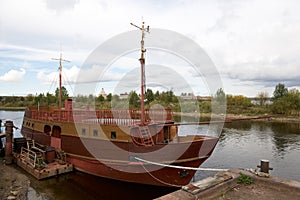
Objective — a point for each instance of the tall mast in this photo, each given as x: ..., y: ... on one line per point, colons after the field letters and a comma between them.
x: 142, y: 61
x: 60, y: 79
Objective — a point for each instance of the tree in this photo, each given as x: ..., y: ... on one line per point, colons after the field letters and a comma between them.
x: 100, y: 98
x: 149, y: 96
x: 156, y: 95
x: 238, y: 100
x: 109, y: 97
x: 262, y: 98
x: 220, y: 96
x: 134, y: 99
x: 50, y: 98
x: 39, y: 99
x: 287, y: 104
x: 280, y: 91
x: 64, y: 93
x: 29, y: 98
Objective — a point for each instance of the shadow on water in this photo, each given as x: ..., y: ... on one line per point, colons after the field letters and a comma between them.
x: 286, y: 136
x: 79, y: 185
x: 240, y: 125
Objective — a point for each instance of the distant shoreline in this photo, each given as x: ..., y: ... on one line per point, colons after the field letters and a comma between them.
x: 12, y: 108
x: 275, y: 118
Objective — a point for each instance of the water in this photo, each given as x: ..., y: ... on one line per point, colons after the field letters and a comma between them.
x: 16, y: 117
x: 242, y: 145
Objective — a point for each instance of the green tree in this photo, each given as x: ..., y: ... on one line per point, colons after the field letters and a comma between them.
x: 50, y: 98
x: 109, y: 97
x: 157, y: 95
x: 238, y: 100
x: 149, y: 96
x: 29, y: 98
x: 134, y: 100
x: 64, y: 93
x: 100, y: 98
x: 205, y: 106
x: 220, y: 96
x: 287, y: 104
x: 280, y: 91
x: 40, y: 99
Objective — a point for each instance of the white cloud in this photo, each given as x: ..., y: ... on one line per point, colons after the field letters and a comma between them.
x: 13, y: 75
x: 69, y: 75
x: 250, y: 41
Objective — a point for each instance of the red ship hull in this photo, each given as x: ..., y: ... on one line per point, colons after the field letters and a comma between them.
x: 165, y: 163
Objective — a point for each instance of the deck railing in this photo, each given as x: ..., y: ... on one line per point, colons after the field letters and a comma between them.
x: 124, y: 117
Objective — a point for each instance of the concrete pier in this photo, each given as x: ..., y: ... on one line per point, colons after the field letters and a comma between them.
x: 227, y: 185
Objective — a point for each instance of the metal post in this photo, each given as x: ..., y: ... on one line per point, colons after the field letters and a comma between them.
x: 8, y: 145
x: 264, y: 166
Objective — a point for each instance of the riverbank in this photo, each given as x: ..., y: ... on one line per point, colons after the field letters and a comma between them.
x: 12, y: 108
x: 208, y: 116
x: 13, y: 184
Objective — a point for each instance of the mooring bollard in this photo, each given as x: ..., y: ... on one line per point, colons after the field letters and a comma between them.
x: 8, y: 145
x: 264, y: 166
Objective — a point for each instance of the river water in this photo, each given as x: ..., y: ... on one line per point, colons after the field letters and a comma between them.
x: 242, y: 145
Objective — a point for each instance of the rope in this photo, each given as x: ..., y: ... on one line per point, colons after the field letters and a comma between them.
x: 181, y: 167
x: 159, y: 180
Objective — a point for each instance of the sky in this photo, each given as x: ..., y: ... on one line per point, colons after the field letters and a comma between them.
x: 254, y: 44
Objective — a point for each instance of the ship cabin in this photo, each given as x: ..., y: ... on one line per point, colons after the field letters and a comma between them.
x: 45, y: 123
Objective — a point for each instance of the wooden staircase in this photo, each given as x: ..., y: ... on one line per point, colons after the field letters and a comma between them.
x: 145, y: 136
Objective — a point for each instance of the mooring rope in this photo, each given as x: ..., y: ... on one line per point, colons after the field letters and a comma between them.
x: 181, y: 167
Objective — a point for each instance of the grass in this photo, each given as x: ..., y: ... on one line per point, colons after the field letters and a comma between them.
x: 244, y: 179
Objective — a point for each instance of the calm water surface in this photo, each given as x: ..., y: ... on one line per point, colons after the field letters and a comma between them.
x: 242, y: 145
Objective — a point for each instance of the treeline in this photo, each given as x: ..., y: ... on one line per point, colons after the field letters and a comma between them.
x: 283, y: 101
x: 29, y: 100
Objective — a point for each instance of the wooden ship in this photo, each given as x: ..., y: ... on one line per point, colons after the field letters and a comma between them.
x: 140, y: 146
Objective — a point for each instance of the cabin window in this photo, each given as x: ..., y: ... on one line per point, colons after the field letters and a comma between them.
x: 113, y: 135
x: 95, y: 133
x: 83, y: 131
x: 47, y: 129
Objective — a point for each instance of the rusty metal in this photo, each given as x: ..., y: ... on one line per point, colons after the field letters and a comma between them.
x: 264, y: 166
x: 9, y: 125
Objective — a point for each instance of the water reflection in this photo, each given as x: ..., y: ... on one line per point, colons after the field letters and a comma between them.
x: 286, y: 136
x: 243, y: 143
x: 240, y: 125
x: 83, y: 186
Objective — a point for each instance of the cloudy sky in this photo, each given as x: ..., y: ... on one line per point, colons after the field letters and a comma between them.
x: 254, y: 44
